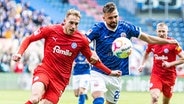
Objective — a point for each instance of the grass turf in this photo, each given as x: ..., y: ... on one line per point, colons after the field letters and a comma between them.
x: 20, y: 96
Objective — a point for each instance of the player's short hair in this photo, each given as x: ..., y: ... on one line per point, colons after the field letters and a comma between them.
x: 109, y: 7
x: 162, y: 24
x: 73, y: 12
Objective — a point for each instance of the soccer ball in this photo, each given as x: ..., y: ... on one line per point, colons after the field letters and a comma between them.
x: 121, y: 47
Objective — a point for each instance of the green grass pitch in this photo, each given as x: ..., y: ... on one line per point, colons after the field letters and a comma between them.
x: 20, y: 96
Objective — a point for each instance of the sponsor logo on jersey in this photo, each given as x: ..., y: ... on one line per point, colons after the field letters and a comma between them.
x: 54, y: 39
x: 106, y: 36
x: 160, y: 57
x: 58, y: 50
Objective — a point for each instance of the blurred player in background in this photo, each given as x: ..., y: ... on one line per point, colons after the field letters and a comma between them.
x: 103, y: 34
x: 162, y: 79
x: 63, y: 43
x: 81, y: 78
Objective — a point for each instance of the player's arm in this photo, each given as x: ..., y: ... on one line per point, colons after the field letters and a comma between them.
x: 155, y: 40
x: 174, y: 63
x: 86, y: 51
x: 25, y: 43
x: 144, y: 59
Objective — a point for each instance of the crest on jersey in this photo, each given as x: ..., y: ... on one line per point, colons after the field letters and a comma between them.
x: 166, y: 50
x: 74, y: 45
x: 123, y: 34
x: 37, y: 32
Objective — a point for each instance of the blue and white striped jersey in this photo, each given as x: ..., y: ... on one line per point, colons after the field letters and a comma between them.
x: 103, y: 38
x: 81, y: 65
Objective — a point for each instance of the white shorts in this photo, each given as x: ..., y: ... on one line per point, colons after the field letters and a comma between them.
x: 81, y: 81
x: 110, y: 85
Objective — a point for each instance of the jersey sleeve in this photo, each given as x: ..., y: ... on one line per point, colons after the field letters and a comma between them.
x: 178, y: 49
x: 132, y: 30
x: 93, y: 32
x: 148, y: 49
x: 37, y: 35
x: 86, y: 51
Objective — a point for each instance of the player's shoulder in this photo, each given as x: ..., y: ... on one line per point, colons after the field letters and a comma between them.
x: 99, y: 25
x: 81, y: 35
x: 124, y: 23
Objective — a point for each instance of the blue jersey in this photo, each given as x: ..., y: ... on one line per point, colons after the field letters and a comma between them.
x: 81, y: 65
x: 103, y: 38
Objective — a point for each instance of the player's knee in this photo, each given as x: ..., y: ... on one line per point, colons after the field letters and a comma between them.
x: 155, y: 97
x: 35, y: 98
x: 45, y: 101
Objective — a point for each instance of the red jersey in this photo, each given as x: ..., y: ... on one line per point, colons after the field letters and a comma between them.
x: 166, y: 52
x: 60, y: 50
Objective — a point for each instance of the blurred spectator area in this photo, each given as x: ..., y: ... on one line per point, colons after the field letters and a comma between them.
x: 176, y: 28
x: 20, y: 18
x: 159, y: 4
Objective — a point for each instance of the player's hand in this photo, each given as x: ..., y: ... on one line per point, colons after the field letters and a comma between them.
x: 140, y: 69
x: 16, y: 57
x: 166, y: 64
x: 94, y: 58
x: 116, y: 73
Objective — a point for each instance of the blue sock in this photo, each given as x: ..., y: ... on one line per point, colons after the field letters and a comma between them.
x: 99, y: 100
x: 82, y: 98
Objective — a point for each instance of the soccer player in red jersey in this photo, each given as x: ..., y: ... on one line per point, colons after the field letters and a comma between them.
x: 162, y: 79
x: 63, y: 42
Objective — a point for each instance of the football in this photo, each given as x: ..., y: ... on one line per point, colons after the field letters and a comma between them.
x: 122, y: 47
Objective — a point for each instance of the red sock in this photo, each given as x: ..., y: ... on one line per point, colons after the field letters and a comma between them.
x: 28, y: 102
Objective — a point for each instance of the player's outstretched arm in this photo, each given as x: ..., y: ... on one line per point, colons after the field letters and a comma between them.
x: 156, y: 40
x: 173, y: 63
x: 115, y: 73
x: 145, y: 57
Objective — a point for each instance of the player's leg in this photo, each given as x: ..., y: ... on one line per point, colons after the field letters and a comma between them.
x: 156, y: 86
x: 98, y: 87
x: 82, y: 96
x: 83, y: 87
x: 166, y: 100
x: 155, y: 93
x: 75, y: 85
x: 40, y: 81
x: 168, y: 91
x: 37, y: 92
x: 45, y: 101
x: 114, y: 88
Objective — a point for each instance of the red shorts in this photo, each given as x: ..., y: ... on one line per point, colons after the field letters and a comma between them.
x: 53, y: 89
x: 165, y: 86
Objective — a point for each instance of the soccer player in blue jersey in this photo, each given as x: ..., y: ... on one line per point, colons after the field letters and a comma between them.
x: 81, y: 78
x: 103, y: 34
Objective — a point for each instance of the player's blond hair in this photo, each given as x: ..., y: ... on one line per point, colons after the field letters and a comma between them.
x: 162, y: 24
x: 73, y: 12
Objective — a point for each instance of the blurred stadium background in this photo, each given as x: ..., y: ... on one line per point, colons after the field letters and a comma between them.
x: 19, y: 18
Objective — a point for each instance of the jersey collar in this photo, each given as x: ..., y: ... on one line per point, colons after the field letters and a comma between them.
x: 110, y: 28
